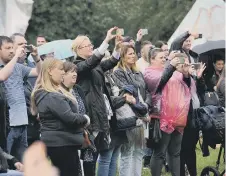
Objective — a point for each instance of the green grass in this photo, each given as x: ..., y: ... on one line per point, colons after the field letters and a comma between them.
x: 201, y: 162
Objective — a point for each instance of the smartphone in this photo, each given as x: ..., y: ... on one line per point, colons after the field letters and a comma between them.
x: 177, y: 51
x: 182, y: 60
x: 200, y: 36
x: 196, y: 66
x: 120, y: 31
x: 144, y: 31
x: 28, y: 48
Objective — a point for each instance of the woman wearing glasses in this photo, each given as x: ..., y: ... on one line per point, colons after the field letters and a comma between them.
x: 93, y: 85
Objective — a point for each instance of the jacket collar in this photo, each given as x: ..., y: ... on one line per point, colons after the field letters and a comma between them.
x: 78, y: 59
x: 129, y: 71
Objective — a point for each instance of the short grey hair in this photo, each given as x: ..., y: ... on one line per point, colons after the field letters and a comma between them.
x: 15, y: 35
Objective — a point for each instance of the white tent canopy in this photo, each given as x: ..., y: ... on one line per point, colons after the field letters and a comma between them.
x: 14, y: 16
x: 206, y: 17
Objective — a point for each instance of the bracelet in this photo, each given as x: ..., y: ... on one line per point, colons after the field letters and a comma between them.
x: 37, y: 61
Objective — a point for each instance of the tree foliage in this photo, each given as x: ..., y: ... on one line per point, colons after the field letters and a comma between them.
x: 63, y: 19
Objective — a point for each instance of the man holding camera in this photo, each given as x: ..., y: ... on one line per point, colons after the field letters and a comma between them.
x: 14, y: 91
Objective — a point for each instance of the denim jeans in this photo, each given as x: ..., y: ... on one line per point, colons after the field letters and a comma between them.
x: 17, y: 141
x: 131, y: 160
x: 12, y: 173
x: 172, y: 144
x: 148, y: 152
x: 107, y: 164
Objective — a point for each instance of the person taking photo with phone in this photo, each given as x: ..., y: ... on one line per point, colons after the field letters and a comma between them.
x: 14, y: 92
x: 93, y: 85
x: 183, y: 44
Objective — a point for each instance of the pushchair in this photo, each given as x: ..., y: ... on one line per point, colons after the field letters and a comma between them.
x: 214, y: 171
x: 211, y: 121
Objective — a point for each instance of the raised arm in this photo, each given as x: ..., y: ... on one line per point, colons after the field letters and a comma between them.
x: 38, y: 62
x: 178, y: 42
x: 110, y: 63
x: 167, y: 73
x: 6, y: 71
x: 95, y: 60
x: 138, y: 43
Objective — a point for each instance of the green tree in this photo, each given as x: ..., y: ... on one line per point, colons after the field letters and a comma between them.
x: 66, y: 19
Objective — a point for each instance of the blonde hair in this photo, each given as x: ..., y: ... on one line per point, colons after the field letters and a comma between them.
x: 122, y: 64
x: 77, y: 42
x: 45, y: 82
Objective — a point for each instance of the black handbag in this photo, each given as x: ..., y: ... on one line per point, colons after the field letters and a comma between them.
x: 211, y: 98
x: 155, y: 134
x: 212, y: 119
x: 217, y: 116
x: 102, y: 141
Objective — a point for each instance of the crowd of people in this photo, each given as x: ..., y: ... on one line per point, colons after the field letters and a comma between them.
x: 95, y: 114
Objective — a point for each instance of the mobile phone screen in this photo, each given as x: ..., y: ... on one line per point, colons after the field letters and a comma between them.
x: 120, y: 31
x: 144, y: 31
x: 196, y: 66
x: 28, y: 48
x: 200, y: 35
x: 182, y: 60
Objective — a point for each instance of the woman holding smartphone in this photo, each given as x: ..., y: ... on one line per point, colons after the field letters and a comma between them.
x: 174, y: 76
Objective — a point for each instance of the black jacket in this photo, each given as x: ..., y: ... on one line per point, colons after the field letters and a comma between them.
x: 138, y: 48
x: 3, y: 116
x: 212, y: 81
x: 61, y: 125
x: 33, y: 129
x: 221, y: 93
x: 166, y: 75
x: 178, y: 43
x: 92, y: 82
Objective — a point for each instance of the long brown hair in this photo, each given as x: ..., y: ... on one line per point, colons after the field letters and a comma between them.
x: 121, y: 63
x: 69, y: 66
